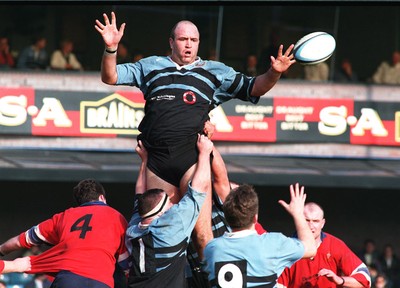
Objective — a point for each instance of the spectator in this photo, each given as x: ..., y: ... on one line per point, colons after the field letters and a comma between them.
x: 388, y: 73
x: 6, y: 59
x: 137, y: 55
x: 212, y: 55
x: 123, y: 54
x: 251, y: 65
x: 346, y: 73
x: 34, y: 56
x: 370, y: 255
x: 381, y: 282
x: 264, y: 61
x: 390, y: 266
x: 64, y: 58
x: 373, y: 272
x: 316, y: 72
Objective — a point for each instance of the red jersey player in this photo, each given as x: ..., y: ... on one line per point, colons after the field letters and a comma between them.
x: 87, y: 241
x: 334, y: 265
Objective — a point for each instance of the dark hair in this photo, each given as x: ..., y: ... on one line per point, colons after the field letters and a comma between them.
x: 37, y: 38
x: 88, y: 190
x: 240, y: 206
x: 149, y: 200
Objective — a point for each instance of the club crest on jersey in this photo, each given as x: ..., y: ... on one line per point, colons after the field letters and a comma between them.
x: 189, y: 97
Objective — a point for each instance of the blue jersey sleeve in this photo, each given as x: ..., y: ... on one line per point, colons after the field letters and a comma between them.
x: 233, y: 84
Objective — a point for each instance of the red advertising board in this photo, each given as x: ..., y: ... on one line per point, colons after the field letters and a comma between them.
x: 26, y: 111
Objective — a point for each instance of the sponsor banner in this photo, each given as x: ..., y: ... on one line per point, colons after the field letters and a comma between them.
x: 62, y: 113
x: 308, y: 120
x: 26, y: 111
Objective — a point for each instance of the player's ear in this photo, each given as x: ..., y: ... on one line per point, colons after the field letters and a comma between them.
x: 323, y: 223
x: 102, y: 198
x: 255, y: 219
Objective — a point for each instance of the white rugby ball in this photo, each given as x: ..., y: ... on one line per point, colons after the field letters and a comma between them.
x: 314, y: 48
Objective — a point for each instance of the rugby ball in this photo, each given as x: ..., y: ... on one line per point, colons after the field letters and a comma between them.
x: 314, y: 48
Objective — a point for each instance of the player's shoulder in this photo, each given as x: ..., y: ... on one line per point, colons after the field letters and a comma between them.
x: 212, y: 64
x: 333, y: 241
x: 154, y: 60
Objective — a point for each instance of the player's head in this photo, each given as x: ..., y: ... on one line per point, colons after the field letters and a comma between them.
x: 153, y: 203
x: 241, y: 207
x: 395, y: 57
x: 314, y: 215
x: 184, y: 42
x: 88, y: 190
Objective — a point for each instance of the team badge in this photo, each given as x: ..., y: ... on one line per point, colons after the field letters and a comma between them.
x: 189, y: 97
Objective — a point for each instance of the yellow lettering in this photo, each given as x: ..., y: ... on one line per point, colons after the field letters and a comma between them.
x: 13, y: 110
x: 333, y: 120
x: 369, y: 120
x: 52, y: 110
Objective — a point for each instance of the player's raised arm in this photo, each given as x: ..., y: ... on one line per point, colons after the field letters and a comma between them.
x: 141, y: 180
x: 296, y: 209
x: 279, y: 65
x: 111, y: 36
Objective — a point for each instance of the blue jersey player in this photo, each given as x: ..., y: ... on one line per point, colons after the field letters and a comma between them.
x: 159, y: 231
x: 179, y: 91
x: 242, y: 258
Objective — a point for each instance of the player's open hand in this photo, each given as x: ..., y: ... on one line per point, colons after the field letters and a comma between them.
x: 109, y: 31
x: 283, y: 61
x: 297, y: 200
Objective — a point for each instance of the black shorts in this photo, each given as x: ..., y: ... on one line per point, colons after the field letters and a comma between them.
x: 66, y: 279
x: 171, y: 161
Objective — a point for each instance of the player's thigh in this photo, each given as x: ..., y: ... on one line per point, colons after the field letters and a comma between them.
x: 155, y: 182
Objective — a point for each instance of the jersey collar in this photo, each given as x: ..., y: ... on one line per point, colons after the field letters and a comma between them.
x: 240, y: 234
x: 91, y: 203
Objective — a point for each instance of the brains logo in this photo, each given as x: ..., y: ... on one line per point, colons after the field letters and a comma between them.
x: 112, y: 114
x: 189, y: 97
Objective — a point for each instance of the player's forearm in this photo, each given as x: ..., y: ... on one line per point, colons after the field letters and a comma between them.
x: 350, y: 282
x: 10, y: 246
x: 263, y: 83
x: 305, y: 236
x: 221, y: 180
x: 109, y: 67
x: 141, y: 180
x: 18, y: 265
x: 202, y: 175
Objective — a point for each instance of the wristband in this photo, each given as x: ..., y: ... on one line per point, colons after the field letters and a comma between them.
x: 111, y: 51
x: 343, y: 281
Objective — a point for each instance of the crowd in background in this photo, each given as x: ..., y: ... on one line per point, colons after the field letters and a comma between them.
x: 383, y: 264
x: 37, y: 57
